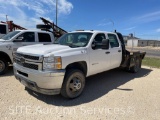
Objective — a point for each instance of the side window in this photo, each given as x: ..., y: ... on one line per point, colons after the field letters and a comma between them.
x: 98, y: 40
x: 3, y: 29
x: 113, y: 40
x: 44, y: 37
x: 28, y: 37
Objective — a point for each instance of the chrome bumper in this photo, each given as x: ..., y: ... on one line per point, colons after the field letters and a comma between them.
x: 45, y: 82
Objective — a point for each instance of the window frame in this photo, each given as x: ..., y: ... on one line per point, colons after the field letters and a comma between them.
x: 39, y: 40
x: 23, y: 36
x: 3, y: 31
x: 117, y: 40
x: 95, y: 41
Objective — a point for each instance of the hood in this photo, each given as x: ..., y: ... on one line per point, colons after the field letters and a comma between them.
x: 41, y: 49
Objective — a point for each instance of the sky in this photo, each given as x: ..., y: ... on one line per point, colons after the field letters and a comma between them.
x: 140, y: 17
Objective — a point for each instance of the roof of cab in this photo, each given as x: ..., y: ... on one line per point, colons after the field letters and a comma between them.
x: 91, y: 31
x: 35, y: 30
x: 3, y: 23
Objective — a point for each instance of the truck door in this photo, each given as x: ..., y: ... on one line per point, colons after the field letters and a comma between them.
x: 115, y: 50
x: 99, y: 58
x: 27, y: 38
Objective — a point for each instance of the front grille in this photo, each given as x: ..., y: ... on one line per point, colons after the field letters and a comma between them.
x: 28, y: 56
x: 28, y: 61
x: 31, y: 66
x: 27, y: 65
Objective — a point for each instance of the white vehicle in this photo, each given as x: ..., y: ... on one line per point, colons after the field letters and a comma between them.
x: 10, y: 42
x: 9, y: 26
x: 63, y: 67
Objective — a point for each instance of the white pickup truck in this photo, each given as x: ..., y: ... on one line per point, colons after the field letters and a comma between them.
x: 13, y: 40
x: 64, y: 66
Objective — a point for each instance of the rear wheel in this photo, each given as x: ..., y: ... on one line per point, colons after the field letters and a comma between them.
x: 73, y: 84
x: 3, y: 66
x: 137, y: 66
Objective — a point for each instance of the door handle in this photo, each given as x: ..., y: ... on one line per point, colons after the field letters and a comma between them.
x: 107, y: 52
x: 119, y: 50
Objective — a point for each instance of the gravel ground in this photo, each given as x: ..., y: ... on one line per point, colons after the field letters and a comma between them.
x: 110, y: 95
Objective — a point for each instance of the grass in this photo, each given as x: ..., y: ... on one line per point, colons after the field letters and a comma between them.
x: 151, y: 62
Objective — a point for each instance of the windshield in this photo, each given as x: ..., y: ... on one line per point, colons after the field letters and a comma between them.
x: 10, y: 35
x: 79, y: 39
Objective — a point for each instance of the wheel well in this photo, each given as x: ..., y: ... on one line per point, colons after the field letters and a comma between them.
x: 78, y: 65
x: 5, y: 56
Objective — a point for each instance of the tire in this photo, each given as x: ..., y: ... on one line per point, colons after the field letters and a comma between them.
x: 136, y: 67
x: 3, y: 66
x: 73, y: 84
x: 41, y: 26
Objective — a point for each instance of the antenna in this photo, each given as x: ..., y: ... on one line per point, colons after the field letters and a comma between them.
x: 112, y: 23
x: 56, y: 11
x: 6, y: 18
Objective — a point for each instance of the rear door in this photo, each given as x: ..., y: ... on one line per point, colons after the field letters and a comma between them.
x: 115, y: 50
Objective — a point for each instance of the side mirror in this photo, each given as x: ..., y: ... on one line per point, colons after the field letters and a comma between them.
x: 105, y: 44
x: 19, y: 39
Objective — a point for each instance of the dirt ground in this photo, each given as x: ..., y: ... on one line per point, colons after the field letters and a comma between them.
x: 111, y: 95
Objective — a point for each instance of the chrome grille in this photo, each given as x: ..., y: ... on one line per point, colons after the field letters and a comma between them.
x: 31, y: 66
x: 28, y: 61
x: 27, y: 56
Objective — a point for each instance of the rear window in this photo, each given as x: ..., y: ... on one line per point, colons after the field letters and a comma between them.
x: 3, y: 29
x: 44, y: 37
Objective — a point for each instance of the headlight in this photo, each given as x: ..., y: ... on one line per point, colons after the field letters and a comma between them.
x: 51, y: 63
x: 49, y: 59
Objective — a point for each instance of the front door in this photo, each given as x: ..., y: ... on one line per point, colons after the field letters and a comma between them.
x: 99, y: 58
x: 28, y: 39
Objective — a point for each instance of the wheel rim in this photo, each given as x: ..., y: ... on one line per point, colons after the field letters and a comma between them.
x: 2, y: 66
x: 75, y: 85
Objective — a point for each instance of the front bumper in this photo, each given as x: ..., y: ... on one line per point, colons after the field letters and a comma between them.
x: 45, y: 82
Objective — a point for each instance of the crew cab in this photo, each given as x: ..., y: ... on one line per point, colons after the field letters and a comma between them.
x: 10, y: 42
x: 62, y: 68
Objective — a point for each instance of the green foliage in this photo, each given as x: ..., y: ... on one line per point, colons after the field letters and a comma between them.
x: 152, y: 62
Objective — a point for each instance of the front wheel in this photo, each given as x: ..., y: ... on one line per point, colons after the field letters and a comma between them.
x: 3, y: 66
x: 73, y: 84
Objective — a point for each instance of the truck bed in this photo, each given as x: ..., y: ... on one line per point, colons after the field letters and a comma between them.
x: 130, y: 56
